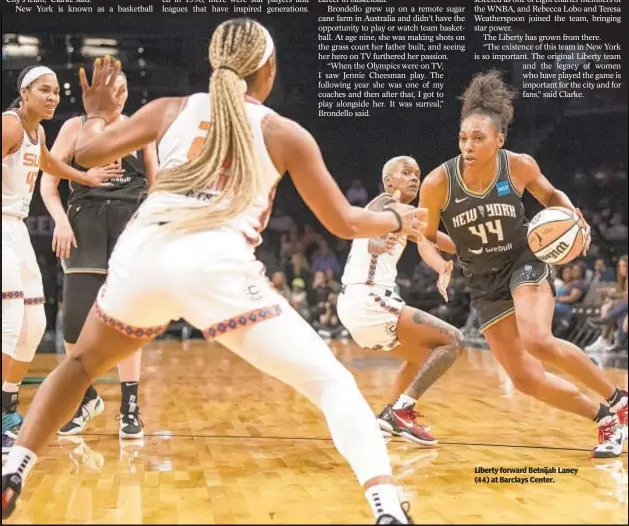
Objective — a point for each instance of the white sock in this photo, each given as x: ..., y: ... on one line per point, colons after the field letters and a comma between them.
x: 404, y: 402
x: 385, y: 500
x: 20, y: 460
x: 9, y: 387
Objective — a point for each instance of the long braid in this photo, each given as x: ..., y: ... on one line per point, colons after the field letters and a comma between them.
x: 227, y: 161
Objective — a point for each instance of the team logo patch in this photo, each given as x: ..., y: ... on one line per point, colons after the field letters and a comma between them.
x: 503, y: 188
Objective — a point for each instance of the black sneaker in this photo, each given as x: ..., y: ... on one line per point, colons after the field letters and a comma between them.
x: 11, y: 489
x: 86, y: 411
x: 130, y: 425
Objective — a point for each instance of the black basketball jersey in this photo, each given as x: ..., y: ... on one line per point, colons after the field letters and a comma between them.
x: 131, y: 187
x: 489, y: 230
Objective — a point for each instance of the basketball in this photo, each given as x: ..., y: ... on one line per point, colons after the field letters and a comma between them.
x: 556, y: 235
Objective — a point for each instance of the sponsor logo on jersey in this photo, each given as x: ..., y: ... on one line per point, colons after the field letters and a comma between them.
x: 503, y: 188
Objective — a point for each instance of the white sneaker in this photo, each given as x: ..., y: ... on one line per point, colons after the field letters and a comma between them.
x: 598, y: 345
x: 85, y: 412
x: 611, y: 437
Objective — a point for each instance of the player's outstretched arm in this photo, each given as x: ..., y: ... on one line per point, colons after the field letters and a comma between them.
x: 294, y: 150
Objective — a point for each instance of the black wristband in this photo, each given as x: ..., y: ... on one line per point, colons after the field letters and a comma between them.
x: 399, y: 220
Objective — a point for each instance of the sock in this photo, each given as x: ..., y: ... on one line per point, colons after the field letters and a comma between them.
x: 10, y: 396
x: 129, y: 397
x: 603, y: 411
x: 404, y: 402
x: 90, y: 394
x: 384, y: 500
x: 20, y: 460
x: 615, y: 398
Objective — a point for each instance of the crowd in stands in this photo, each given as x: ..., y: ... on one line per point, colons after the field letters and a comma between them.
x: 305, y: 264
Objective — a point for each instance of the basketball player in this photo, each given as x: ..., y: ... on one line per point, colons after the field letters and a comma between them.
x: 478, y: 195
x: 84, y: 239
x: 189, y: 252
x: 378, y: 319
x: 24, y: 153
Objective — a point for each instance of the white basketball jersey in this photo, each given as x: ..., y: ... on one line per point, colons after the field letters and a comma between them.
x: 183, y: 140
x: 363, y: 268
x: 19, y: 175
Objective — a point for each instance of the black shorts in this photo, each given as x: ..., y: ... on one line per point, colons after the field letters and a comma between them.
x: 492, y: 294
x: 96, y: 226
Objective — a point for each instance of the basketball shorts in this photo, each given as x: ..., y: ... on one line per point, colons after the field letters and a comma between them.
x: 492, y: 294
x: 210, y: 279
x: 97, y: 225
x: 370, y: 313
x: 21, y: 276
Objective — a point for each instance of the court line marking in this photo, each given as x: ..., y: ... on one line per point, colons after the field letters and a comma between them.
x: 397, y: 441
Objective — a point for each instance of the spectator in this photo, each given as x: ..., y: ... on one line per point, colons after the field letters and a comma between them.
x: 299, y: 298
x: 320, y: 290
x: 357, y: 194
x: 571, y: 294
x: 602, y: 273
x: 564, y: 277
x: 290, y: 243
x: 310, y: 240
x: 278, y: 280
x: 334, y: 285
x: 613, y: 310
x: 324, y: 259
x: 299, y: 268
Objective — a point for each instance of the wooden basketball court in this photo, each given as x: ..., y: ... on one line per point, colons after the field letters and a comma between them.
x: 225, y: 444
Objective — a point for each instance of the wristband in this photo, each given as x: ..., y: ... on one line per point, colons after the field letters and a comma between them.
x: 399, y: 220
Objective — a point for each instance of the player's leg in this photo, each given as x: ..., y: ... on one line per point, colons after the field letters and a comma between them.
x: 529, y: 377
x: 131, y: 309
x: 12, y: 320
x: 79, y: 293
x: 118, y: 214
x: 534, y: 304
x: 32, y: 328
x: 287, y: 348
x: 434, y: 346
x: 85, y: 271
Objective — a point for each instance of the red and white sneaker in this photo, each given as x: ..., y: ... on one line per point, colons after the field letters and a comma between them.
x: 403, y: 423
x: 611, y: 437
x: 620, y: 408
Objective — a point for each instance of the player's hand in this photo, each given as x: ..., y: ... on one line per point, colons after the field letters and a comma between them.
x: 101, y: 175
x: 414, y: 220
x: 100, y: 99
x: 587, y: 232
x: 63, y: 239
x: 444, y: 280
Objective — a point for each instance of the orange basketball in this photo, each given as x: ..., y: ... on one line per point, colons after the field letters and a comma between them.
x: 556, y: 235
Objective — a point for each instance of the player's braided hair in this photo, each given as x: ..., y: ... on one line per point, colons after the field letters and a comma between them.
x: 487, y: 94
x: 227, y: 160
x: 18, y: 101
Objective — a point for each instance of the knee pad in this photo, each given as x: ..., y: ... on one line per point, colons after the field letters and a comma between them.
x: 33, y: 329
x: 12, y: 320
x: 79, y: 294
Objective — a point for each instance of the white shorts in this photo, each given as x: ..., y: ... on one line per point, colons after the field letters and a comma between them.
x: 370, y: 313
x: 210, y: 279
x: 21, y: 277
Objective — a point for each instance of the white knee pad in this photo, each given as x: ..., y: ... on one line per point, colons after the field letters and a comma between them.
x: 12, y: 319
x: 33, y: 329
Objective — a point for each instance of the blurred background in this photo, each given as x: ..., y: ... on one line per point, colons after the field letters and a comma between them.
x: 580, y: 144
